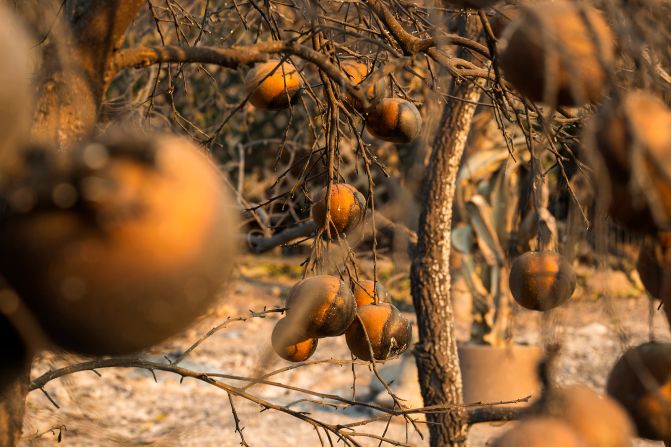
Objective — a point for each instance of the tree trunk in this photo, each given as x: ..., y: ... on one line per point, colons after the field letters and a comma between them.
x: 75, y: 68
x: 436, y: 351
x: 12, y: 407
x: 71, y: 84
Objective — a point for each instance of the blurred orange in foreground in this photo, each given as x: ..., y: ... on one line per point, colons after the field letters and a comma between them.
x: 122, y: 247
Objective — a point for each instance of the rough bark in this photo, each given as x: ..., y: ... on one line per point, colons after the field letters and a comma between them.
x: 70, y: 88
x: 436, y: 351
x: 12, y: 407
x: 73, y: 76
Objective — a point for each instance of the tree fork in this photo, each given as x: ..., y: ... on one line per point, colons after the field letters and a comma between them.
x: 436, y: 350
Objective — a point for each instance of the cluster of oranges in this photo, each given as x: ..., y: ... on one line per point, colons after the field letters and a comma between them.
x: 273, y: 85
x: 325, y: 306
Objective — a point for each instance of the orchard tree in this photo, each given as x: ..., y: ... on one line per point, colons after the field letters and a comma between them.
x: 346, y: 76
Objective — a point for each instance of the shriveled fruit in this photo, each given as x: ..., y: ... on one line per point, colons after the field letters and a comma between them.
x: 13, y: 354
x: 541, y: 280
x: 654, y: 265
x: 123, y: 245
x: 551, y: 53
x: 394, y: 119
x: 540, y: 432
x: 504, y: 15
x: 273, y: 85
x: 347, y: 208
x: 358, y: 72
x: 641, y: 382
x: 367, y: 291
x: 388, y: 330
x: 634, y: 139
x: 598, y: 420
x: 321, y: 306
x: 289, y: 343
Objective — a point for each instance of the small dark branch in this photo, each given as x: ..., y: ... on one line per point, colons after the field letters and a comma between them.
x: 386, y: 223
x: 219, y: 327
x: 236, y: 419
x: 411, y: 45
x: 495, y: 414
x: 260, y: 244
x: 51, y: 399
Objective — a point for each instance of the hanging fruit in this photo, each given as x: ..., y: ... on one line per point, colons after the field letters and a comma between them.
x: 290, y: 344
x: 367, y: 291
x: 641, y: 382
x: 394, y: 119
x: 358, y: 72
x: 550, y: 51
x: 599, y: 420
x: 540, y: 432
x: 273, y: 86
x: 541, y: 280
x: 347, y: 209
x: 122, y: 245
x: 320, y: 306
x: 634, y: 140
x: 388, y: 331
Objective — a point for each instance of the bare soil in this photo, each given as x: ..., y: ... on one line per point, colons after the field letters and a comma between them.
x: 132, y: 407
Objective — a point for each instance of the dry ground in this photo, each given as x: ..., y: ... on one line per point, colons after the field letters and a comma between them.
x: 127, y: 407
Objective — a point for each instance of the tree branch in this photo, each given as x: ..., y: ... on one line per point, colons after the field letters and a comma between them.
x: 262, y: 244
x: 481, y: 412
x: 412, y: 45
x: 234, y: 57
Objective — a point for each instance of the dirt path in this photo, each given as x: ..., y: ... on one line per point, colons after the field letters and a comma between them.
x: 127, y: 407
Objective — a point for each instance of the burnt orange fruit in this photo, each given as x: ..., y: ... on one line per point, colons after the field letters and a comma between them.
x: 358, y: 72
x: 636, y: 132
x: 347, y: 208
x: 540, y: 432
x: 598, y: 420
x: 321, y: 306
x: 289, y: 343
x: 394, y: 119
x: 387, y: 329
x: 502, y: 19
x: 641, y: 382
x: 272, y: 85
x: 367, y: 291
x: 654, y: 265
x: 126, y: 245
x: 550, y: 48
x: 13, y: 354
x: 541, y: 280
